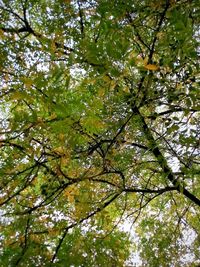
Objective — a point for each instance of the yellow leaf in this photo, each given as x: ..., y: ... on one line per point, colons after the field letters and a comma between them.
x: 17, y: 95
x: 28, y: 82
x: 59, y: 150
x: 53, y: 46
x: 113, y: 84
x: 2, y: 34
x: 101, y: 92
x: 106, y: 78
x: 53, y: 116
x: 64, y: 161
x: 126, y: 89
x: 179, y: 86
x: 151, y: 67
x: 145, y: 61
x: 61, y: 137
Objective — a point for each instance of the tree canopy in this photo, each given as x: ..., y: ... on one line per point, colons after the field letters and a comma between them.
x: 99, y: 130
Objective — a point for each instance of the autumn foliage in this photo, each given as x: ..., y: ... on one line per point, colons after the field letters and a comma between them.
x: 99, y: 133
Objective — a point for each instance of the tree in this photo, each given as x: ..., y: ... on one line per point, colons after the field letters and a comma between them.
x: 99, y: 128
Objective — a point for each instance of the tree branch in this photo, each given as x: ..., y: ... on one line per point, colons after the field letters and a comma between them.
x: 153, y: 147
x: 99, y: 209
x: 150, y: 191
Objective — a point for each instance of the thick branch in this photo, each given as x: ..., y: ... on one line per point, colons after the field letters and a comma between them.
x: 150, y: 191
x: 170, y: 111
x: 153, y: 147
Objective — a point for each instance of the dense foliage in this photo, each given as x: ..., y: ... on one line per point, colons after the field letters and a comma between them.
x: 99, y: 132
